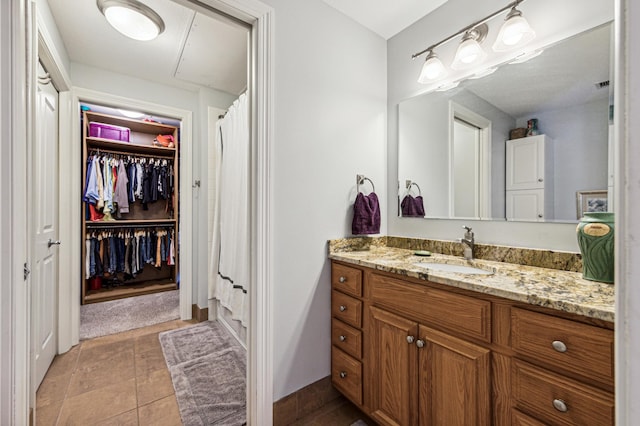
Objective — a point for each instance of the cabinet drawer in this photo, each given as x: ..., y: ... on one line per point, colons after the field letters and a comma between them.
x: 346, y: 338
x: 570, y: 345
x: 555, y: 399
x: 347, y: 280
x: 518, y: 418
x: 346, y: 308
x: 463, y: 314
x: 346, y: 375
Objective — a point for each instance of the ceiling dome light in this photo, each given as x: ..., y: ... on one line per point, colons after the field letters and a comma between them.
x: 469, y: 51
x: 132, y: 18
x: 515, y: 32
x: 432, y: 68
x: 131, y: 114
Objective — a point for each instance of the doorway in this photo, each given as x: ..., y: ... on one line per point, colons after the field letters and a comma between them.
x: 259, y: 357
x: 470, y: 163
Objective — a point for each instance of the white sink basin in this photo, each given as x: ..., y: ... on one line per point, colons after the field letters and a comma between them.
x: 447, y: 267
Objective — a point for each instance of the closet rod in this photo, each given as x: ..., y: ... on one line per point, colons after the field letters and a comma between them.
x: 128, y: 226
x: 97, y: 151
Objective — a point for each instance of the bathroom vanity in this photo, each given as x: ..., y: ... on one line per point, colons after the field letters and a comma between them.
x: 502, y: 344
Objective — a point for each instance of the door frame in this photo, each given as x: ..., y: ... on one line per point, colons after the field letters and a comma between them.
x: 71, y: 205
x: 18, y: 39
x: 484, y: 157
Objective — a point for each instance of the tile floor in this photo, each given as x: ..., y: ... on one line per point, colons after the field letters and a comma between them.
x: 122, y: 379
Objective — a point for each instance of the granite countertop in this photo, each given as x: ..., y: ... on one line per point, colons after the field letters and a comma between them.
x: 551, y: 288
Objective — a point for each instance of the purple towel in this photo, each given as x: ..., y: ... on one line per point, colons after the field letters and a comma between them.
x: 366, y: 214
x: 412, y: 207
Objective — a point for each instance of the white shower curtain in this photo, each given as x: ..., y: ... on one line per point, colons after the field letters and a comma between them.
x: 229, y: 266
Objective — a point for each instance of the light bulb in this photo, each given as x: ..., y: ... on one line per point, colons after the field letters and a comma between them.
x: 515, y: 32
x: 469, y: 53
x: 432, y: 69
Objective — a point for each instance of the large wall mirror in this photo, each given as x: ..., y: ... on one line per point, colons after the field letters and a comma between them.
x: 455, y: 149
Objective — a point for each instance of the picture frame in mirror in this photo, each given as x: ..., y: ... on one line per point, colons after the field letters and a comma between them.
x: 591, y: 201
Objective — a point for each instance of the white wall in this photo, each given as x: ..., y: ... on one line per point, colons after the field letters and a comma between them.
x: 330, y: 118
x: 580, y: 143
x: 403, y: 73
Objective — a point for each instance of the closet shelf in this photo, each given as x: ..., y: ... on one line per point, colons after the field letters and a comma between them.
x: 147, y: 287
x: 133, y: 124
x: 116, y: 223
x: 110, y: 144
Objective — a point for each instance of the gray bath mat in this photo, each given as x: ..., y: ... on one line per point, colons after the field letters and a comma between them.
x: 208, y: 369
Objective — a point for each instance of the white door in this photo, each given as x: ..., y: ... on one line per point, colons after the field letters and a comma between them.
x: 525, y: 163
x: 44, y: 227
x: 466, y: 170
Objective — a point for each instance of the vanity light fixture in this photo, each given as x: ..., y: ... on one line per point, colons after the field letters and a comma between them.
x: 514, y: 33
x: 432, y: 68
x: 132, y: 18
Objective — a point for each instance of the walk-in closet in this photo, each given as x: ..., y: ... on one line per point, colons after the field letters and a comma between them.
x: 130, y: 204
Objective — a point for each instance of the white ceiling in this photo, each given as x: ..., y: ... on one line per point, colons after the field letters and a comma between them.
x: 194, y: 50
x: 384, y: 17
x: 563, y: 75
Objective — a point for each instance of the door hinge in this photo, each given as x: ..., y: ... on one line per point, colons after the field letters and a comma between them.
x: 26, y: 271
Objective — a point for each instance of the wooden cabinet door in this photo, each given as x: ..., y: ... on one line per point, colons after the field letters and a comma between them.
x: 454, y: 381
x: 393, y: 374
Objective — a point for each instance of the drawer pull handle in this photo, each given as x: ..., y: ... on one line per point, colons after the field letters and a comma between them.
x: 343, y: 338
x: 410, y: 339
x: 342, y: 279
x: 343, y: 308
x: 420, y: 343
x: 343, y: 374
x: 560, y: 405
x: 559, y: 346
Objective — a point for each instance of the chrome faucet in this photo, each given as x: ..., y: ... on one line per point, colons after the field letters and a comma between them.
x: 468, y: 242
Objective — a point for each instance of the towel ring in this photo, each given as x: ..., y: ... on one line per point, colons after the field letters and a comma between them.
x: 360, y: 180
x: 409, y: 184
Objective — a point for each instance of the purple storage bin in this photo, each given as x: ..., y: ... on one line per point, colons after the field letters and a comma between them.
x: 108, y: 131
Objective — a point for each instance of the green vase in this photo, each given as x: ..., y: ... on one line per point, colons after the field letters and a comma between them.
x: 595, y: 238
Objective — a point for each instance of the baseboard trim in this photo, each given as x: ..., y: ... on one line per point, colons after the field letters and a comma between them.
x: 199, y: 314
x: 303, y: 402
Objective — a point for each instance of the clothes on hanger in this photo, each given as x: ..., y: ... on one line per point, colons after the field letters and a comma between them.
x: 115, y: 181
x: 110, y: 252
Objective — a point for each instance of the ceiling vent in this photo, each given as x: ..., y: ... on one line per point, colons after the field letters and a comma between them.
x: 602, y: 84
